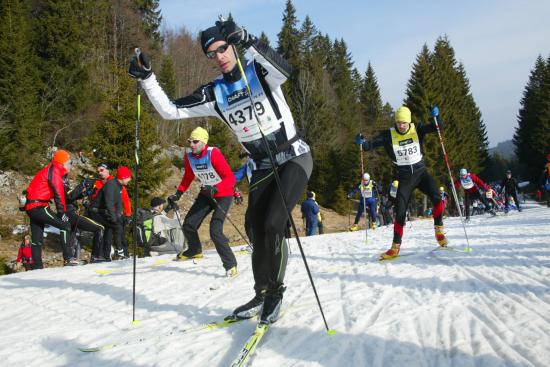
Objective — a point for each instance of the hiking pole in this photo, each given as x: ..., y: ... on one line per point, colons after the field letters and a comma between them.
x: 278, y: 181
x: 446, y: 157
x: 361, y: 187
x: 136, y: 176
x: 230, y: 221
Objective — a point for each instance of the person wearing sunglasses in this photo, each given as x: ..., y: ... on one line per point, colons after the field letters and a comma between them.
x: 217, y: 180
x: 227, y: 99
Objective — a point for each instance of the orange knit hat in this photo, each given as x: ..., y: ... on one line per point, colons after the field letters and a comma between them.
x: 61, y: 156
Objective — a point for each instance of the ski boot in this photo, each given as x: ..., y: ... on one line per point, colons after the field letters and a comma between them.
x: 232, y: 273
x: 354, y: 228
x: 187, y: 255
x: 251, y: 308
x: 272, y: 306
x: 373, y: 225
x: 392, y: 252
x: 440, y: 236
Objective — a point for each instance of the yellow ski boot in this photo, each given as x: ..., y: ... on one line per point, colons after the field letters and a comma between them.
x: 354, y: 228
x: 440, y: 236
x: 187, y: 256
x: 392, y: 252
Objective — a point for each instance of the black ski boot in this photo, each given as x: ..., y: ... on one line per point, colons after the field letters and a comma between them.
x: 272, y: 306
x: 251, y: 308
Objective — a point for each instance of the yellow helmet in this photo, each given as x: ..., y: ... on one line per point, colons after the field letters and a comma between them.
x: 199, y: 134
x: 441, y: 189
x: 395, y: 183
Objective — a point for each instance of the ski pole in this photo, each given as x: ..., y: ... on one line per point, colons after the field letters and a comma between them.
x: 278, y: 182
x: 136, y: 176
x: 361, y: 187
x: 446, y: 157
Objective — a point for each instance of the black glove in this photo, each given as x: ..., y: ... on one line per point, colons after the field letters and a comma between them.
x: 209, y: 191
x: 140, y: 67
x: 173, y: 198
x: 232, y: 33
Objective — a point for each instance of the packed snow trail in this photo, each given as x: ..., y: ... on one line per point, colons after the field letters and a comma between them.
x: 436, y: 308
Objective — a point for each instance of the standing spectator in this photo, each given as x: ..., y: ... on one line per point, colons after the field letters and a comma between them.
x: 24, y: 255
x: 110, y: 206
x: 49, y: 184
x: 310, y: 211
x: 510, y: 189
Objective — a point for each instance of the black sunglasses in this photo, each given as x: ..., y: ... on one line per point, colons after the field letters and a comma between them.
x: 219, y: 50
x: 193, y: 141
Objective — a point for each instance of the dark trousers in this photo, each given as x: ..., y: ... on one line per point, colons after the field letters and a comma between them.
x: 371, y: 205
x: 113, y: 233
x: 40, y: 216
x: 199, y: 210
x: 266, y: 219
x: 89, y: 225
x: 514, y: 196
x: 422, y: 180
x: 469, y: 197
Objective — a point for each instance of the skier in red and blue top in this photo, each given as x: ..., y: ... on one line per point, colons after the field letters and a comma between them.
x: 217, y: 180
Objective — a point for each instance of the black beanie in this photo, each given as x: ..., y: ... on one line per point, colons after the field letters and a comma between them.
x: 209, y: 36
x: 157, y: 201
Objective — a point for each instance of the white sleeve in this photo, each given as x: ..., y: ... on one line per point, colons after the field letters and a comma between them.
x: 198, y: 106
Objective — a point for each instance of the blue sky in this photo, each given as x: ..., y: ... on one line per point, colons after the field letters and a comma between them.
x: 497, y: 41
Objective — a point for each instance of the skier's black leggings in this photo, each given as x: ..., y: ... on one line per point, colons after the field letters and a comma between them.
x: 512, y: 195
x: 40, y: 216
x: 267, y: 218
x: 193, y: 220
x: 422, y: 180
x: 86, y: 224
x: 469, y: 197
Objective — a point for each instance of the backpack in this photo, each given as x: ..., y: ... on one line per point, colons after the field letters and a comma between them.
x: 144, y: 226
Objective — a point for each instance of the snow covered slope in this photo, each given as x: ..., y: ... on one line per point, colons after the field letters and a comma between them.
x: 490, y: 307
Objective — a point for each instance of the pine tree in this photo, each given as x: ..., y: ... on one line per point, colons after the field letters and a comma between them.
x: 167, y: 77
x: 20, y: 127
x: 289, y: 37
x: 532, y: 135
x: 151, y: 19
x: 114, y: 137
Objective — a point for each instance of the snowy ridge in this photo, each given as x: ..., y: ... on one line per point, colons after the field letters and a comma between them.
x: 490, y: 307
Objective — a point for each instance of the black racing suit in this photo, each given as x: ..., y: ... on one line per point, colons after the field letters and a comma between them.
x: 227, y: 99
x: 410, y: 177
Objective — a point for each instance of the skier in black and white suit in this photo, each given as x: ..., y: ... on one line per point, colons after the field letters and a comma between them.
x: 226, y: 98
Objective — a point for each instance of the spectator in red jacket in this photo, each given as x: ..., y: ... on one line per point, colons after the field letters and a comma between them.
x: 472, y: 186
x: 49, y: 184
x: 217, y: 180
x: 24, y: 256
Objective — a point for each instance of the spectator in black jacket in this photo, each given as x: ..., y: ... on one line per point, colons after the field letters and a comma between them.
x: 510, y: 188
x: 112, y: 209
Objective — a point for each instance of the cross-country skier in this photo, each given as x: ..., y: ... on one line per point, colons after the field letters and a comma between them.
x: 226, y: 98
x: 209, y: 165
x: 510, y: 189
x: 403, y: 143
x: 545, y: 180
x: 369, y: 192
x: 472, y: 185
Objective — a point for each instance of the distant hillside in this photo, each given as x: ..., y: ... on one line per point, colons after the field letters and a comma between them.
x: 505, y: 149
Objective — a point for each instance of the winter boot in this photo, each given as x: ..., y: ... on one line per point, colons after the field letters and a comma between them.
x: 232, y: 273
x: 440, y: 236
x: 72, y: 262
x: 354, y: 228
x: 186, y: 255
x: 392, y: 252
x: 272, y: 306
x: 251, y: 308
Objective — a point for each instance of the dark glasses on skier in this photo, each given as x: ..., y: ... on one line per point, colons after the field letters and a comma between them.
x: 193, y: 141
x: 219, y: 50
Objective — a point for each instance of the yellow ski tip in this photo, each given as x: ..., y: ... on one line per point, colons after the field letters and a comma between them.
x: 331, y: 332
x: 136, y: 323
x: 160, y: 262
x: 468, y: 249
x: 103, y: 271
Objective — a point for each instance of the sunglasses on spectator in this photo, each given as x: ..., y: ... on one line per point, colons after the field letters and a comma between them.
x: 101, y: 170
x: 193, y: 141
x: 219, y: 50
